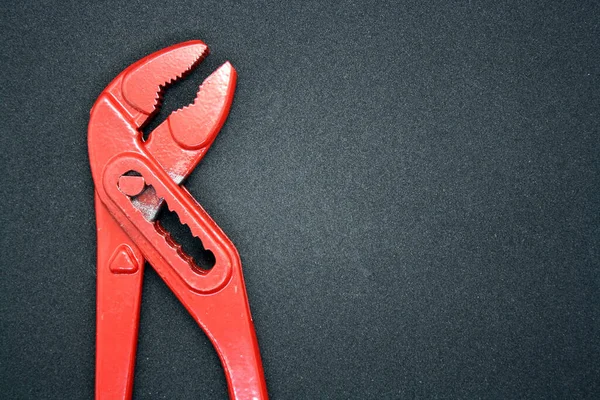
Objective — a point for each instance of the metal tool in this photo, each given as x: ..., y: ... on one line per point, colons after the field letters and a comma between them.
x: 133, y: 178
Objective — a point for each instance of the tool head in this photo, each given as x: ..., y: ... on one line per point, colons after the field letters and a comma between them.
x: 133, y: 98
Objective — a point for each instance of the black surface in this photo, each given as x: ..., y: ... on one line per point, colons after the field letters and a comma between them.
x: 413, y: 188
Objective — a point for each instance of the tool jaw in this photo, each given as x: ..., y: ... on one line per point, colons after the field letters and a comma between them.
x: 133, y: 98
x: 139, y: 87
x: 143, y: 82
x: 195, y: 126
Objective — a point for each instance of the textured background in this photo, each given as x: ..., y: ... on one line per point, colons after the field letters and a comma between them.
x: 413, y: 188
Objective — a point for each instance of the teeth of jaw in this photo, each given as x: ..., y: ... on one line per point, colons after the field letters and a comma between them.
x: 165, y: 85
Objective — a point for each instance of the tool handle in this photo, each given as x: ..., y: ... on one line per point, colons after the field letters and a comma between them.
x: 216, y: 298
x: 120, y: 275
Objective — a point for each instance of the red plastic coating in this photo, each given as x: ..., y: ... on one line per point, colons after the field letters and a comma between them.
x: 132, y: 180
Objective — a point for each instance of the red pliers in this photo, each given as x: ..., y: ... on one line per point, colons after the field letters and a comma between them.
x: 133, y: 178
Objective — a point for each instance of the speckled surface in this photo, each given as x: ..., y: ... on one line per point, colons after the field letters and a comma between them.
x: 414, y: 191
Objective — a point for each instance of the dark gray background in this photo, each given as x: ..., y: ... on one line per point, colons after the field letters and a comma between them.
x: 413, y: 189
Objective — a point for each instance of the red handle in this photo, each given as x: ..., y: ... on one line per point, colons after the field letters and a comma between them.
x: 217, y: 298
x: 120, y: 276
